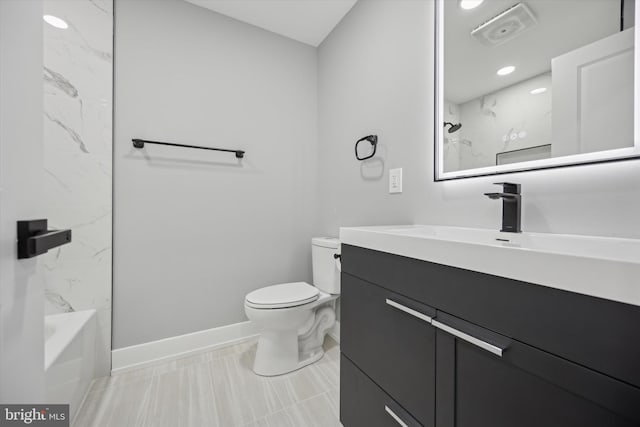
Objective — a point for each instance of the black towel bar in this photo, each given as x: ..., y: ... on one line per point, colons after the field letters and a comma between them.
x: 139, y: 143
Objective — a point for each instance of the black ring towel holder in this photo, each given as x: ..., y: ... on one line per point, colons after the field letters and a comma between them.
x: 373, y: 140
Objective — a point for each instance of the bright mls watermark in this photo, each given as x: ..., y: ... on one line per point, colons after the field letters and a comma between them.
x: 34, y: 415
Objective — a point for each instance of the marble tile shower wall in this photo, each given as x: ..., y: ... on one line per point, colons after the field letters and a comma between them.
x: 508, y: 119
x: 78, y: 80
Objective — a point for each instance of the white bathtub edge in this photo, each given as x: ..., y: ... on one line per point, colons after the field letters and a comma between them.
x: 141, y: 355
x: 65, y: 333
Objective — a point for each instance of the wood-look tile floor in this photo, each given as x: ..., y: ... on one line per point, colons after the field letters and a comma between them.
x: 216, y: 389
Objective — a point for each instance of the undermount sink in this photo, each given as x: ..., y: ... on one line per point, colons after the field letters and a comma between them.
x: 598, y: 266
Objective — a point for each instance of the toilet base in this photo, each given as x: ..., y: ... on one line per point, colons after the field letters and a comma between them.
x: 281, y: 351
x: 277, y: 354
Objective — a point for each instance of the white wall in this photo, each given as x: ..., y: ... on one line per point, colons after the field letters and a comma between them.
x: 78, y: 79
x: 375, y: 76
x: 195, y: 231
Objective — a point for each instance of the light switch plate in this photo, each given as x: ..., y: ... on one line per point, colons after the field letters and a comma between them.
x: 395, y: 180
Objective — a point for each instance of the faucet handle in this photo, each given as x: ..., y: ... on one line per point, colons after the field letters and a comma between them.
x: 509, y: 187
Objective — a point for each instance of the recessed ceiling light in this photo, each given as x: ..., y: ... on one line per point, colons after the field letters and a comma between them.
x: 470, y: 4
x: 55, y: 21
x: 538, y: 91
x: 506, y: 70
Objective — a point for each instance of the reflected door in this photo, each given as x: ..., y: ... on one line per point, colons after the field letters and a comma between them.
x: 593, y: 97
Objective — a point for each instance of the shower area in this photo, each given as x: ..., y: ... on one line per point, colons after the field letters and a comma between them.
x: 77, y: 117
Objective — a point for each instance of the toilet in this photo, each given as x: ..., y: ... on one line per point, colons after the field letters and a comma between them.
x: 293, y: 318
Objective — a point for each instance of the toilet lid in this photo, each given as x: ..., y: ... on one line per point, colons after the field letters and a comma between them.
x: 283, y: 295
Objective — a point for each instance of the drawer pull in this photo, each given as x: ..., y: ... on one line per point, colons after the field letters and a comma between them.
x: 468, y: 338
x: 408, y: 310
x: 394, y: 416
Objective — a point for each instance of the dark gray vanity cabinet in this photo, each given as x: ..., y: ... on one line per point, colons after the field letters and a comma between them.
x: 408, y: 361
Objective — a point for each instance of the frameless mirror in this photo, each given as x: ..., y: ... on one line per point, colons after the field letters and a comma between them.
x: 533, y: 84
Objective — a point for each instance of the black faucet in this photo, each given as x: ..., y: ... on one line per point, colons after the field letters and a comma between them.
x: 511, y: 206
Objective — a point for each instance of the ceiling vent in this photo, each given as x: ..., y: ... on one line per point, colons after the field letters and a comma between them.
x: 506, y: 26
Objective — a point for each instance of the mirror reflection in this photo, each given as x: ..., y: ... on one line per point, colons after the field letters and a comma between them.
x: 535, y: 80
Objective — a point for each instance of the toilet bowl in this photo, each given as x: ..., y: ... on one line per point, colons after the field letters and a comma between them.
x: 293, y: 318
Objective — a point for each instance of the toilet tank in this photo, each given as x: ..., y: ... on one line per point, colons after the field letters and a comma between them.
x: 326, y: 275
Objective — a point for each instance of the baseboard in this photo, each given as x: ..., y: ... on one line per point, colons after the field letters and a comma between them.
x: 335, y: 332
x: 150, y: 353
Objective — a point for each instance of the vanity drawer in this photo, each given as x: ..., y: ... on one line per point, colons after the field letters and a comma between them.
x: 596, y: 333
x: 391, y: 339
x: 364, y: 404
x: 484, y: 379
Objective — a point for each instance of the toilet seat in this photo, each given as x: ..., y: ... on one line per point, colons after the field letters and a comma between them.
x: 284, y: 295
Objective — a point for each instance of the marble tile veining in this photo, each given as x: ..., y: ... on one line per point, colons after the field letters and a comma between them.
x: 77, y: 89
x: 217, y: 389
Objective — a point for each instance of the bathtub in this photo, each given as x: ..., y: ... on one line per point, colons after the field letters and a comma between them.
x: 69, y: 357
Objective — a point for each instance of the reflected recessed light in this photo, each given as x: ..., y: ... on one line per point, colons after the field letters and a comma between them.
x: 55, y: 21
x: 506, y: 70
x: 538, y: 91
x: 470, y: 4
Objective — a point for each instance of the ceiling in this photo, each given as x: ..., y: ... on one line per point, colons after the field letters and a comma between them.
x: 307, y: 21
x: 563, y: 25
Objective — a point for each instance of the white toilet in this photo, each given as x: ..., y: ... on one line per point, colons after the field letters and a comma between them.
x: 293, y: 318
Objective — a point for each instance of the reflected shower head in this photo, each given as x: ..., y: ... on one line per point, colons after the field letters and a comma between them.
x: 453, y: 128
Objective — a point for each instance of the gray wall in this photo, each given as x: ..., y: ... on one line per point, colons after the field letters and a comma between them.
x: 195, y: 230
x: 375, y: 76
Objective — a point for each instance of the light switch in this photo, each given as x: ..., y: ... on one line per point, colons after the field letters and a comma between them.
x: 395, y: 180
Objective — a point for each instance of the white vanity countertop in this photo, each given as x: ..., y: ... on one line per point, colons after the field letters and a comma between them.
x: 598, y: 266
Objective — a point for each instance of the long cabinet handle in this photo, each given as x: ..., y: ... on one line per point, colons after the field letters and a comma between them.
x: 468, y: 338
x: 408, y: 310
x: 394, y: 416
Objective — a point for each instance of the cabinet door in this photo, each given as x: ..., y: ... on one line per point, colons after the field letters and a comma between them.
x: 523, y: 387
x: 390, y: 338
x: 364, y: 404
